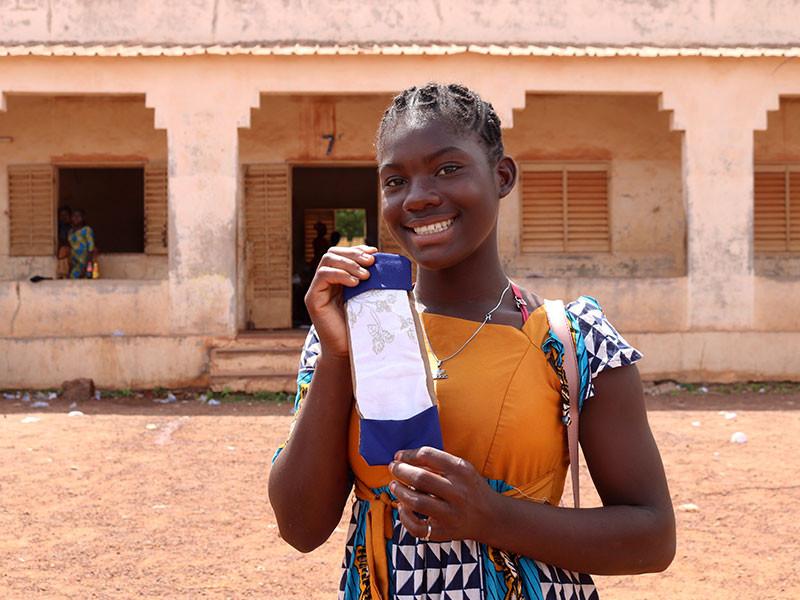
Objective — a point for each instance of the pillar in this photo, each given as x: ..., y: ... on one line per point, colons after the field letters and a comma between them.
x: 203, y: 166
x: 718, y: 119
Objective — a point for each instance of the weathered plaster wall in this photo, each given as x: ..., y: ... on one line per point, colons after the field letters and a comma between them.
x: 113, y: 362
x: 290, y: 128
x: 780, y: 141
x: 718, y: 306
x: 77, y: 130
x: 628, y: 132
x: 656, y: 22
x: 83, y: 308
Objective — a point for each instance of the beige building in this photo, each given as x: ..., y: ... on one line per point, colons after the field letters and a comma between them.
x: 659, y: 146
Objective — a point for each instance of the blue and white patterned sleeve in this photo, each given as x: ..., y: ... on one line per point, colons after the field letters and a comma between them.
x: 305, y: 371
x: 600, y: 345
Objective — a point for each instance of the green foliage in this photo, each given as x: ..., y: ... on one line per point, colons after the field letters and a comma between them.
x: 351, y: 222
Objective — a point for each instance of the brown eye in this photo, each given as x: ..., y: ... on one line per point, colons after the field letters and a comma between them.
x: 447, y: 169
x: 393, y: 182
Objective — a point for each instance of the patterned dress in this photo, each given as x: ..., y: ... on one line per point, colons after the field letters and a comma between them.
x: 502, y: 408
x: 81, y: 243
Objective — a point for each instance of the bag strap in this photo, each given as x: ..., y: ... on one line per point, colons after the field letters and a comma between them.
x: 520, y: 302
x: 557, y: 316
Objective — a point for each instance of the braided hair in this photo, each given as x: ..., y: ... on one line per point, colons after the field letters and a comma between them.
x: 463, y: 109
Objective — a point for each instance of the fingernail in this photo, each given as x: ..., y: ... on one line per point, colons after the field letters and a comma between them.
x: 393, y: 487
x: 362, y: 271
x: 354, y: 279
x: 398, y: 456
x: 367, y: 256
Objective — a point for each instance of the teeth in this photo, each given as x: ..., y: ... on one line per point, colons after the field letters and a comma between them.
x: 433, y: 227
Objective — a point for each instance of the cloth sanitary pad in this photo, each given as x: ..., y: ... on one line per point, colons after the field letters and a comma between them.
x: 391, y: 378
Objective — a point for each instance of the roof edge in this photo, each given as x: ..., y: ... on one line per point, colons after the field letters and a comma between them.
x: 391, y: 49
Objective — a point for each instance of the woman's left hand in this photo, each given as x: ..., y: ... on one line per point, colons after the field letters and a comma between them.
x: 446, y: 489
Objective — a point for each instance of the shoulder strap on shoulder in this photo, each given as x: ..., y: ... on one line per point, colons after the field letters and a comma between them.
x: 520, y: 302
x: 557, y: 316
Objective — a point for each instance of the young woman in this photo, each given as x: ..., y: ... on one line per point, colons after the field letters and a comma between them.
x: 480, y: 519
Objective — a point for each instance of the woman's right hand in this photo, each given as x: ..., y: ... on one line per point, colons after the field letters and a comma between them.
x: 340, y: 266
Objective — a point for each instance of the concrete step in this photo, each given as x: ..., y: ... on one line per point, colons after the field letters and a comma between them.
x: 253, y: 382
x: 291, y: 339
x: 268, y: 360
x: 257, y: 362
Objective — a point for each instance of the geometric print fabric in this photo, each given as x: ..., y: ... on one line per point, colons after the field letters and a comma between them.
x: 458, y: 569
x: 605, y: 347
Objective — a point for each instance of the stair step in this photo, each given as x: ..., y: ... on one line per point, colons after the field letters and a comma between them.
x: 267, y: 363
x: 283, y: 340
x: 257, y: 361
x: 295, y: 351
x: 250, y: 382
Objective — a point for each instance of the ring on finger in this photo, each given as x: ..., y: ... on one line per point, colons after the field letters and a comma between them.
x: 427, y: 536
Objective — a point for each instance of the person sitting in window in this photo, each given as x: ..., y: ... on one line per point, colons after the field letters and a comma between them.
x: 64, y: 225
x: 82, y: 249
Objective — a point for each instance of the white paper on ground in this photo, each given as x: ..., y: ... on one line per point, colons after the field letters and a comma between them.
x: 390, y: 377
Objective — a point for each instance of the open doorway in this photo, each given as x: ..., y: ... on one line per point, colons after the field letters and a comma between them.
x: 112, y: 201
x: 326, y: 202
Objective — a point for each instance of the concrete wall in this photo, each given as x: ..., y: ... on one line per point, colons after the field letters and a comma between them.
x: 83, y: 308
x: 648, y: 223
x: 113, y: 362
x: 289, y: 128
x: 689, y: 326
x: 619, y: 22
x: 77, y: 130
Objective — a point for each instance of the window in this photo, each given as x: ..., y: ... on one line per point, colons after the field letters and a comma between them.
x: 776, y: 220
x: 564, y: 208
x: 112, y: 201
x: 126, y: 207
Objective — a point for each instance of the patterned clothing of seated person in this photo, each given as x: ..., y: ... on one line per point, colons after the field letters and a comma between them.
x: 82, y: 247
x: 504, y: 409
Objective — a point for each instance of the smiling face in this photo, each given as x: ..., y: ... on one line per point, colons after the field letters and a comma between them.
x: 441, y: 192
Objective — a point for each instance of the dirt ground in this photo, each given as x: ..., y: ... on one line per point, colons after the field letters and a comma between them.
x: 138, y: 500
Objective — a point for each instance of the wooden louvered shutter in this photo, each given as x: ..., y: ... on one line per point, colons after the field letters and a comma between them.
x: 31, y: 210
x: 587, y: 211
x: 155, y: 209
x: 564, y: 209
x: 770, y: 211
x: 268, y: 231
x: 794, y: 211
x: 542, y: 214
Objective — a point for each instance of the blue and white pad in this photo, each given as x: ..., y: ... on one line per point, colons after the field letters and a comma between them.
x: 391, y: 378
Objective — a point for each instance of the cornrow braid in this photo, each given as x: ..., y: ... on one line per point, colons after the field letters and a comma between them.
x: 460, y: 106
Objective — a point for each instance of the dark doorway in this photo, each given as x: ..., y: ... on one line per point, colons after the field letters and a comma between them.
x: 324, y: 199
x: 112, y: 200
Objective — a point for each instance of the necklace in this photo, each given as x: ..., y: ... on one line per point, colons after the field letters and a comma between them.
x: 440, y: 372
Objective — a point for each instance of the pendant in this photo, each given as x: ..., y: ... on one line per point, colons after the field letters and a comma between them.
x: 440, y: 372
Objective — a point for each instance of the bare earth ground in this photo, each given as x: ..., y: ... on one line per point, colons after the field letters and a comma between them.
x: 101, y: 506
